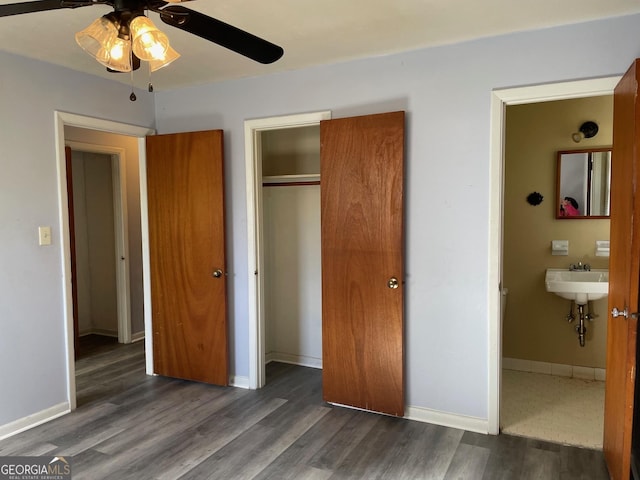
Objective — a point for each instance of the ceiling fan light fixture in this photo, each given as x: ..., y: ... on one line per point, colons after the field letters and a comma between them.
x: 96, y: 36
x: 169, y: 56
x: 116, y: 55
x: 147, y: 41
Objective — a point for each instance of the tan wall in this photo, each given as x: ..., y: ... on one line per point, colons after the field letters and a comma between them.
x: 534, y: 327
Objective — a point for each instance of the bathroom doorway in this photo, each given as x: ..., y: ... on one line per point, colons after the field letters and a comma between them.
x: 552, y: 387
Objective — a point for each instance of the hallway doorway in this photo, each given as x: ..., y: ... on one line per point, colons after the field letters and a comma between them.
x: 101, y: 289
x: 88, y: 131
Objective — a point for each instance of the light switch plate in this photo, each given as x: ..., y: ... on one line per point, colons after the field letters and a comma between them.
x: 44, y: 235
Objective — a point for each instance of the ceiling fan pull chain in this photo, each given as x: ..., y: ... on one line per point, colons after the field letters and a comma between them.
x: 132, y: 97
x: 150, y: 84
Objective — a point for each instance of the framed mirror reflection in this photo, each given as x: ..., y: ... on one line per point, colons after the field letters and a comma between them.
x: 583, y: 180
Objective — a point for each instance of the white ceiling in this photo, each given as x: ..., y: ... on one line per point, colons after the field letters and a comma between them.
x: 311, y: 32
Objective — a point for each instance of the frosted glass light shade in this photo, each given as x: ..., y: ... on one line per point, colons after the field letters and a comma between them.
x: 116, y: 55
x: 170, y: 56
x: 148, y: 42
x: 100, y: 33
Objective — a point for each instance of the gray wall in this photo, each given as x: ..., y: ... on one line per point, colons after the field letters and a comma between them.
x: 446, y: 92
x: 33, y: 368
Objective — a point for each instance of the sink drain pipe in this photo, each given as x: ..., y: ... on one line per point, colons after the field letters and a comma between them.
x: 581, y: 328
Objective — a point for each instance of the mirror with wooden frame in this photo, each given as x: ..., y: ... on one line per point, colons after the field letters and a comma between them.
x: 583, y: 179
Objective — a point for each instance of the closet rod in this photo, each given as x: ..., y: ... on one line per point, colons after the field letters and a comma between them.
x: 289, y: 184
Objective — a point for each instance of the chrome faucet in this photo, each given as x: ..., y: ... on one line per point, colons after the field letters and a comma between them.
x: 580, y: 267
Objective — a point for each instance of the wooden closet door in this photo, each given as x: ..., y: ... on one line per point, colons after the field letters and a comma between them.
x: 185, y: 183
x: 362, y: 165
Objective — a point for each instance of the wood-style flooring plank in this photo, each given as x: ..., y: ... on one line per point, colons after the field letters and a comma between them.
x: 298, y: 460
x: 581, y: 464
x: 372, y: 456
x: 540, y: 465
x: 130, y: 426
x: 469, y: 463
x: 345, y: 440
x: 507, y: 454
x: 431, y: 450
x: 195, y: 444
x: 250, y: 453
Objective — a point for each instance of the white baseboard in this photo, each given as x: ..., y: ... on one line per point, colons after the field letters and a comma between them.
x: 98, y: 331
x: 239, y: 382
x: 301, y: 360
x: 137, y: 337
x: 33, y: 420
x: 462, y: 422
x: 558, y: 369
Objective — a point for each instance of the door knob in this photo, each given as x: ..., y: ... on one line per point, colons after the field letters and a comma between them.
x: 393, y: 282
x: 615, y: 313
x: 217, y: 273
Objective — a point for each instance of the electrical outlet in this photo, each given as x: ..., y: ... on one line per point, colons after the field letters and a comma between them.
x: 44, y: 235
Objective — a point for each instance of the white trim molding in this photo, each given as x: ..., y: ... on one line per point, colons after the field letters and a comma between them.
x: 62, y: 119
x: 555, y: 369
x: 301, y: 360
x: 462, y: 422
x: 33, y: 420
x: 146, y: 256
x: 137, y: 337
x: 239, y: 382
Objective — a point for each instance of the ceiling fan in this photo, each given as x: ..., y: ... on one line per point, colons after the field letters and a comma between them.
x: 120, y: 39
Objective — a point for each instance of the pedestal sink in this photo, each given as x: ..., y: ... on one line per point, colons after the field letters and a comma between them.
x: 580, y: 286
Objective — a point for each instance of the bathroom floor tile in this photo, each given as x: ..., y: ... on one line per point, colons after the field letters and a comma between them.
x: 557, y: 409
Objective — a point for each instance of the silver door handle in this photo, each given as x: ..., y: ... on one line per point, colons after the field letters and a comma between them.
x: 217, y: 273
x: 615, y: 313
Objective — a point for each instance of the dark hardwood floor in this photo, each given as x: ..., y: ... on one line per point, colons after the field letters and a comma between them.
x: 92, y: 345
x: 131, y: 426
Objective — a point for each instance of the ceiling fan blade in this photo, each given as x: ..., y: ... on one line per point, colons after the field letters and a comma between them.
x: 221, y: 33
x: 40, y: 6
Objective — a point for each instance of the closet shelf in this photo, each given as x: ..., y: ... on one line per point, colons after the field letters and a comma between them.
x: 310, y: 179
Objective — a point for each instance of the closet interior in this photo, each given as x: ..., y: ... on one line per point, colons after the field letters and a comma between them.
x: 291, y: 245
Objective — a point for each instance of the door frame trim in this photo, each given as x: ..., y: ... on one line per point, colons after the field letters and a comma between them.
x: 255, y: 257
x: 500, y: 98
x: 62, y: 119
x: 119, y: 187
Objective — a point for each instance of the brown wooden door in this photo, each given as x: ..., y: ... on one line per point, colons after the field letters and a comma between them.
x: 187, y: 251
x: 362, y: 251
x: 72, y: 250
x: 624, y: 275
